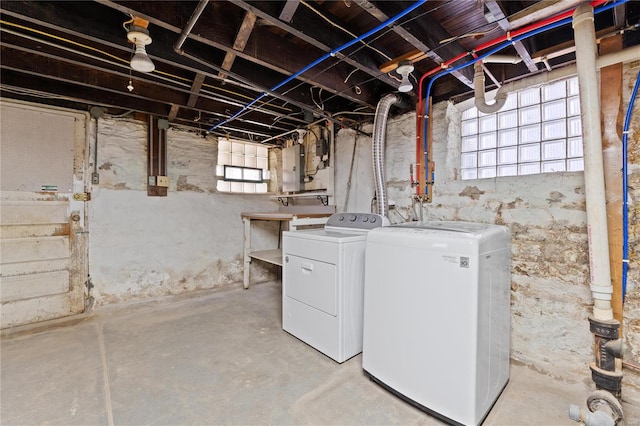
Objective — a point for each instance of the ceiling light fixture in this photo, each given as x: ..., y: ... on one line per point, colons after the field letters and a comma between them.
x: 404, y: 68
x: 138, y: 34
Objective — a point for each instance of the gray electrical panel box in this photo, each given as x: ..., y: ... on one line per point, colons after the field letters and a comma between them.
x: 292, y: 168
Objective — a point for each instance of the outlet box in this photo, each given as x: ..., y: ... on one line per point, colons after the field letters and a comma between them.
x: 162, y: 181
x: 95, y: 178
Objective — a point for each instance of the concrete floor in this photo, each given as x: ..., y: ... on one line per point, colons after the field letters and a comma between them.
x: 217, y: 358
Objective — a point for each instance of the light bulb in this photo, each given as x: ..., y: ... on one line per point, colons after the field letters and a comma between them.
x: 130, y: 86
x: 405, y: 84
x: 404, y: 68
x: 140, y: 61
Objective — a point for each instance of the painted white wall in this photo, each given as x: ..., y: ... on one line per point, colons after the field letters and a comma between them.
x: 143, y: 246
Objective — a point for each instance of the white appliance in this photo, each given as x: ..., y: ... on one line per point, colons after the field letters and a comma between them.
x: 437, y: 315
x: 322, y: 283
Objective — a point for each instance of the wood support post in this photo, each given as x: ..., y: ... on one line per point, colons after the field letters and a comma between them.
x: 612, y: 122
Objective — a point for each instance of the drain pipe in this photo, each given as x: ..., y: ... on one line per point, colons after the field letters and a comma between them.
x: 626, y: 55
x: 478, y: 88
x: 606, y: 371
x: 379, y: 130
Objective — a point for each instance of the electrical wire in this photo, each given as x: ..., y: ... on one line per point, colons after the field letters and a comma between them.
x: 157, y: 73
x: 340, y: 60
x: 204, y: 93
x: 53, y: 36
x: 376, y: 76
x: 469, y: 34
x: 332, y: 53
x: 321, y: 105
x: 387, y: 57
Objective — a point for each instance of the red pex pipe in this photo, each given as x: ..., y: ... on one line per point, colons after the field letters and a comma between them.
x: 491, y: 43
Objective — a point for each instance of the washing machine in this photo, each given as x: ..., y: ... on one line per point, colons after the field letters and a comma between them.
x: 437, y: 315
x: 322, y: 283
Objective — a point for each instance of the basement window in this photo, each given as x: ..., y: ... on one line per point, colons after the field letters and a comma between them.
x: 243, y: 167
x: 538, y: 130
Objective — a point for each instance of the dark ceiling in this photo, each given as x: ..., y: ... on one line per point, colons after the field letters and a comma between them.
x: 76, y: 54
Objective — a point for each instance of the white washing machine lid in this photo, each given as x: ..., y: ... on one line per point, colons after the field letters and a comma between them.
x: 436, y: 230
x: 451, y: 226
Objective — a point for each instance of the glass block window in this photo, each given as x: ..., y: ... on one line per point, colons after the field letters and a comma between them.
x: 242, y: 167
x: 538, y: 130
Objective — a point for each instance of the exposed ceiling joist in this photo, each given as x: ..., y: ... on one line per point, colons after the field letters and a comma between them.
x: 540, y: 11
x: 313, y: 34
x: 288, y: 10
x: 219, y: 59
x: 502, y: 20
x: 240, y: 42
x: 193, y: 97
x: 434, y: 35
x: 260, y: 46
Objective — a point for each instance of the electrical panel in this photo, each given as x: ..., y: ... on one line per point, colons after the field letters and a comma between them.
x: 292, y: 168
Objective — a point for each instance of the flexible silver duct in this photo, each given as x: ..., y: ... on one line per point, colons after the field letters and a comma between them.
x: 379, y: 130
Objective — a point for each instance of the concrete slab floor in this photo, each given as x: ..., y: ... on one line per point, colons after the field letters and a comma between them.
x: 218, y: 358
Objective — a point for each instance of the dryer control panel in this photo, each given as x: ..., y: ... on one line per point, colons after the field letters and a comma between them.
x: 357, y: 221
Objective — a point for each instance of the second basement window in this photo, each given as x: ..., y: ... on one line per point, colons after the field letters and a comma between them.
x: 242, y: 167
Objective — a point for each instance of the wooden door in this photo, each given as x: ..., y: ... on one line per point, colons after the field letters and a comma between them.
x: 43, y: 225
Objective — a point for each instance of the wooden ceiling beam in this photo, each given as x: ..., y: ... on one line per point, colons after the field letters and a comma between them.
x: 288, y: 10
x: 428, y: 29
x: 501, y: 19
x: 196, y: 86
x: 318, y: 34
x: 541, y: 10
x: 240, y: 42
x: 36, y: 67
x: 266, y: 50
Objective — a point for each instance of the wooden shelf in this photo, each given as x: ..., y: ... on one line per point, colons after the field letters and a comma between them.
x: 273, y: 256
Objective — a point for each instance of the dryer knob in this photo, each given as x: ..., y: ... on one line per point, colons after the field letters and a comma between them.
x: 353, y: 218
x: 365, y: 219
x: 340, y: 218
x: 374, y: 219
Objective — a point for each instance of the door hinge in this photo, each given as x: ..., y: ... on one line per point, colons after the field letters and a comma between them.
x: 82, y: 196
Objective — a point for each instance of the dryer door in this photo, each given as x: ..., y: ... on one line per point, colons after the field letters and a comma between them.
x: 312, y: 282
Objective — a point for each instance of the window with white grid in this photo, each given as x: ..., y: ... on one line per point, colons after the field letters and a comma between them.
x: 538, y: 130
x: 242, y: 167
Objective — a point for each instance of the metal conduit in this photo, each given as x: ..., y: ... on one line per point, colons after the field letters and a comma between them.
x: 189, y: 26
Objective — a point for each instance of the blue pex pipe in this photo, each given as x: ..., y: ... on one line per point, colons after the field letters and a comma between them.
x: 332, y: 53
x: 625, y: 189
x: 491, y: 52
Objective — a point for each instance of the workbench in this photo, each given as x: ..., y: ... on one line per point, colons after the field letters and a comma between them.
x: 293, y: 221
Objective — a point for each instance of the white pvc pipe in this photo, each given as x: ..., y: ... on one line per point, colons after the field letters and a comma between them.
x: 478, y: 88
x: 585, y: 40
x: 621, y: 56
